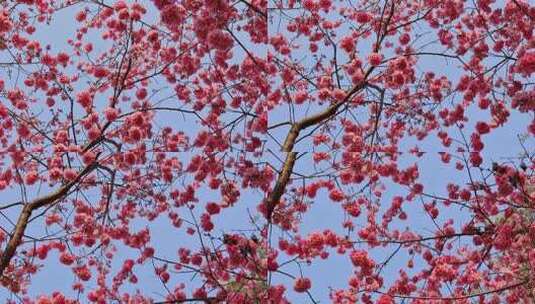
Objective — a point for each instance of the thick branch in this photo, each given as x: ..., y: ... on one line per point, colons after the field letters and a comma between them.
x: 27, y: 210
x: 287, y: 168
x: 280, y: 185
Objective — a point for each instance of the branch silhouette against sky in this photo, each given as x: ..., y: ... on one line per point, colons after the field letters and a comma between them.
x: 253, y: 151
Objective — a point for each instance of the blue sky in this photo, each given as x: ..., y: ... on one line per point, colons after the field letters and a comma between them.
x: 332, y: 273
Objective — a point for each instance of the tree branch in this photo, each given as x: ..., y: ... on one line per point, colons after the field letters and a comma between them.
x: 27, y: 210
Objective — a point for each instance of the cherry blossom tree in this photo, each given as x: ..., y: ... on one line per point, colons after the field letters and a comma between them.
x: 221, y: 151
